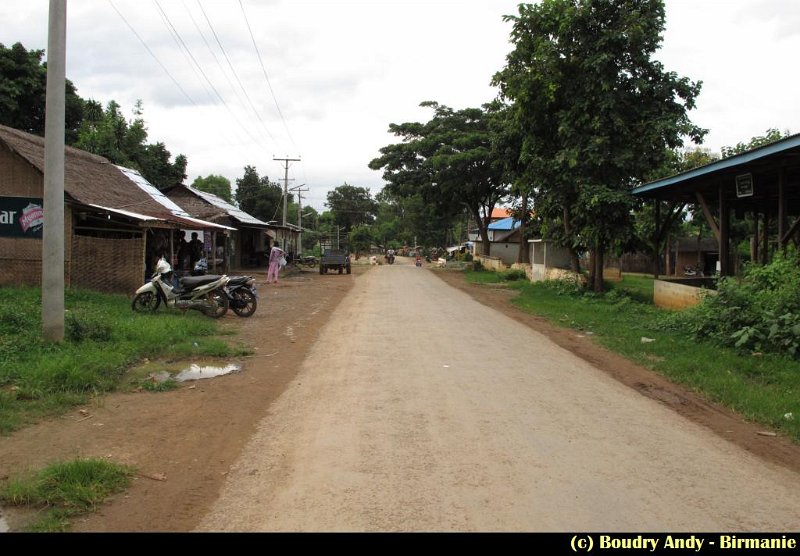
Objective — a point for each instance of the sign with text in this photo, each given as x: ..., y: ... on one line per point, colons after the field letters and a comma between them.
x: 21, y: 217
x: 744, y: 185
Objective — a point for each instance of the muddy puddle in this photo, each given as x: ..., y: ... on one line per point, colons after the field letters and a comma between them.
x: 196, y: 372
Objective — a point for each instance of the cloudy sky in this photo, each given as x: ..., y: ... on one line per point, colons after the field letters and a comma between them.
x: 325, y: 78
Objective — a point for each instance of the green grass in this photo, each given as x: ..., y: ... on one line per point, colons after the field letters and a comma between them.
x: 65, y: 490
x: 637, y: 286
x: 761, y: 388
x: 104, y: 338
x: 491, y: 277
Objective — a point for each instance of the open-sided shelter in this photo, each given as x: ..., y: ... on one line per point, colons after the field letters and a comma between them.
x: 764, y: 182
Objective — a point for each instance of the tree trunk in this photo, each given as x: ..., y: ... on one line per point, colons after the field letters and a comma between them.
x: 483, y: 230
x: 573, y: 255
x: 522, y: 256
x: 599, y: 256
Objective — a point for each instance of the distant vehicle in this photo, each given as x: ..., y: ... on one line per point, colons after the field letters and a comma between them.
x: 334, y: 257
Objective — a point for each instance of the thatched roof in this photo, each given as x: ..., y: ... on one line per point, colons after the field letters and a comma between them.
x: 92, y: 180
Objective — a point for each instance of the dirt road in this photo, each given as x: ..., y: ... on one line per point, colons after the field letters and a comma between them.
x: 420, y: 409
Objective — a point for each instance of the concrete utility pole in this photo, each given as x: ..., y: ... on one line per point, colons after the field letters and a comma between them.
x: 286, y: 162
x: 53, y: 232
x: 300, y: 192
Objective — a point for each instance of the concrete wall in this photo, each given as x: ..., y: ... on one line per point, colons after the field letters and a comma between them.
x: 548, y: 261
x: 525, y: 267
x: 673, y: 295
x: 491, y: 263
x: 507, y: 252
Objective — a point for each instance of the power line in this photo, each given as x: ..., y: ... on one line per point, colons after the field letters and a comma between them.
x: 211, y: 51
x: 183, y: 50
x: 222, y: 100
x: 264, y: 70
x: 236, y: 75
x: 178, y: 85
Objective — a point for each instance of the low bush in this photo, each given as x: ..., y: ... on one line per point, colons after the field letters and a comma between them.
x: 758, y: 313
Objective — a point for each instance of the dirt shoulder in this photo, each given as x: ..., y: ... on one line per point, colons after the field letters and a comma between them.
x: 184, y: 442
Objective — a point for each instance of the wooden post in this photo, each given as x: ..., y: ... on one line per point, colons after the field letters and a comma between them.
x: 765, y: 238
x: 754, y: 242
x: 782, y: 221
x: 657, y: 213
x: 724, y: 233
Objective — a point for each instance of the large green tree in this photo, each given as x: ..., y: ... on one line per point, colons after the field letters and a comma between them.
x: 106, y: 132
x: 258, y: 196
x: 218, y: 185
x: 351, y: 206
x: 448, y: 161
x: 597, y: 110
x: 23, y: 87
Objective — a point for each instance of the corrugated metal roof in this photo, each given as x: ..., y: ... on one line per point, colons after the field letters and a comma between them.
x: 180, y: 215
x: 153, y: 191
x: 232, y: 211
x: 775, y: 148
x: 505, y: 224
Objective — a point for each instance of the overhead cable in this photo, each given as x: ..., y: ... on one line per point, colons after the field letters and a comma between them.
x: 178, y: 85
x: 236, y: 75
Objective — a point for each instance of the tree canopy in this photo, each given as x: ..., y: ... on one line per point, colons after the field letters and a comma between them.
x: 23, y: 88
x: 258, y: 196
x: 448, y: 162
x: 218, y: 185
x: 598, y: 112
x: 351, y: 206
x: 106, y: 132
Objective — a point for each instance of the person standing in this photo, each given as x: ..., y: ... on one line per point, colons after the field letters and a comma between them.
x: 195, y: 250
x: 275, y: 256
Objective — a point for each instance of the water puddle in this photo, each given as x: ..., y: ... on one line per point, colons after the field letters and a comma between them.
x: 196, y: 372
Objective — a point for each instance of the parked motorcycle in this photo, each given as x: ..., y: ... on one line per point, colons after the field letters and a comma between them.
x: 203, y: 293
x: 692, y: 271
x: 240, y: 290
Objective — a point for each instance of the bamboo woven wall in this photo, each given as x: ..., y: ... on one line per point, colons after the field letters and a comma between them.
x: 107, y: 265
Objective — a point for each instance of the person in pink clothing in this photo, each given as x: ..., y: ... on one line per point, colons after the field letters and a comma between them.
x: 275, y: 256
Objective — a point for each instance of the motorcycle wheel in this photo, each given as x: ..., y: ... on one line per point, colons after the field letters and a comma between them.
x: 244, y: 302
x: 145, y: 302
x: 219, y: 302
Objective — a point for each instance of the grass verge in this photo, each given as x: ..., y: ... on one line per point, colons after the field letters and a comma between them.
x: 64, y: 490
x: 104, y: 338
x: 762, y: 388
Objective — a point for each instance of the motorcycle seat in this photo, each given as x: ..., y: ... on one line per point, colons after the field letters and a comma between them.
x: 192, y: 282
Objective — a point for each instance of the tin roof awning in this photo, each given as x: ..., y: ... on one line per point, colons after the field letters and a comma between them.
x: 763, y: 165
x: 129, y: 214
x: 228, y: 208
x: 182, y: 221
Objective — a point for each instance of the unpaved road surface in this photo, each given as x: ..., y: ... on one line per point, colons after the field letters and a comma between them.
x: 419, y: 408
